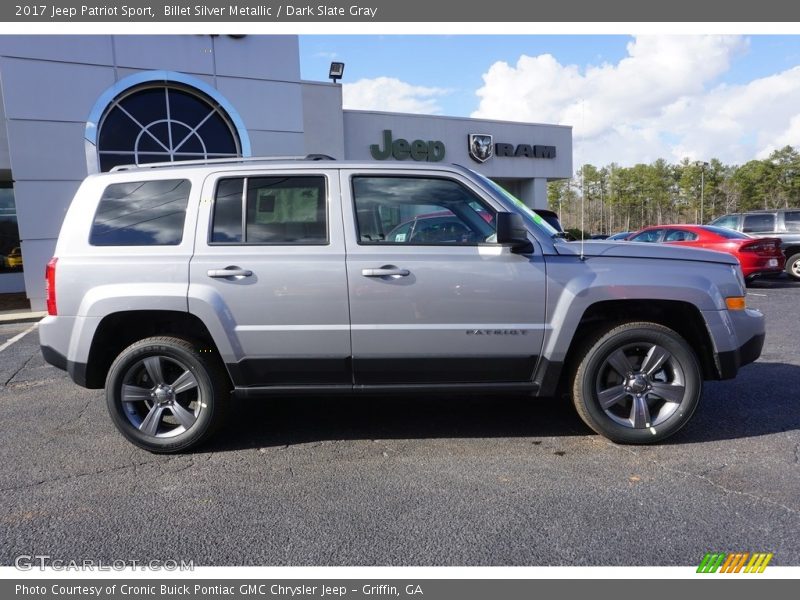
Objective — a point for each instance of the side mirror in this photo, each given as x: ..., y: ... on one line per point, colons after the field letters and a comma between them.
x: 511, y: 231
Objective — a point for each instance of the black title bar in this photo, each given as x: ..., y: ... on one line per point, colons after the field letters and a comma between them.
x: 496, y: 11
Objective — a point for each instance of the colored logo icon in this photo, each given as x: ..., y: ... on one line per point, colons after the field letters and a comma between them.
x: 734, y: 562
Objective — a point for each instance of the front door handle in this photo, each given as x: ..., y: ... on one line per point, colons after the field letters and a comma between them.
x: 386, y: 271
x: 230, y: 272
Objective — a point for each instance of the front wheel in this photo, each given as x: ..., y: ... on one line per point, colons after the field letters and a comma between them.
x: 638, y: 383
x: 165, y: 396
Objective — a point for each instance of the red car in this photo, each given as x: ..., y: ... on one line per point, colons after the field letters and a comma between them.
x: 758, y: 256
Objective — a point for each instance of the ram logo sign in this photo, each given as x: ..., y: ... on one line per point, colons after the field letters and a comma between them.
x: 481, y: 148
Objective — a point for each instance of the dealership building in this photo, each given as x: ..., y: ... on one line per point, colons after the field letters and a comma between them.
x: 76, y: 105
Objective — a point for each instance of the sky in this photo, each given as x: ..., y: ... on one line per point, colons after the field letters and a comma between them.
x: 629, y: 99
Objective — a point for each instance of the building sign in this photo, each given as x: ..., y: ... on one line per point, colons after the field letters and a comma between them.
x: 482, y: 149
x: 402, y: 149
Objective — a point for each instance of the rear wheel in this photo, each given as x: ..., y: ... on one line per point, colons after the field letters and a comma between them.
x: 164, y: 396
x: 793, y: 266
x: 638, y: 383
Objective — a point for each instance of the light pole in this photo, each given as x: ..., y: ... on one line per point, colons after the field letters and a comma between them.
x: 702, y: 164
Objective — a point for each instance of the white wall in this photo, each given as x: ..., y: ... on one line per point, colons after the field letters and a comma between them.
x: 51, y: 83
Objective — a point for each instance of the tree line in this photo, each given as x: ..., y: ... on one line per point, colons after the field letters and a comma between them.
x: 615, y: 198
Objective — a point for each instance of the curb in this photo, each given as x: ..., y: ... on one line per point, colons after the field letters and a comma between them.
x: 21, y: 317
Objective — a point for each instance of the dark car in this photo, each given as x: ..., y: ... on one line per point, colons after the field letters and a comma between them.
x: 782, y: 223
x: 444, y: 226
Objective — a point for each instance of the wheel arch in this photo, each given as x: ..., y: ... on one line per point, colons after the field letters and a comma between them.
x: 117, y: 331
x: 682, y: 317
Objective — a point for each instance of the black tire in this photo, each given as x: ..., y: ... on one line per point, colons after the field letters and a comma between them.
x: 598, y: 379
x: 151, y: 413
x: 793, y: 266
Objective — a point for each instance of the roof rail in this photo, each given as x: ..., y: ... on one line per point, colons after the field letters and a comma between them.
x: 219, y: 161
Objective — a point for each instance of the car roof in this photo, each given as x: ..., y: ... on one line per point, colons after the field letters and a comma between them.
x: 235, y: 164
x: 759, y: 211
x: 672, y: 225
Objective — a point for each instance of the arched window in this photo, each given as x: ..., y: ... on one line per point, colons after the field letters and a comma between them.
x: 164, y: 122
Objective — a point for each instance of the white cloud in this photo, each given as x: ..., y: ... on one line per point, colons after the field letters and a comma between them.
x: 393, y: 95
x: 661, y: 100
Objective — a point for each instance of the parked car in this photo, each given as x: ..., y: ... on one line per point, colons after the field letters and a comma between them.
x: 14, y: 259
x: 441, y: 227
x: 599, y: 236
x: 757, y: 256
x: 782, y: 223
x: 619, y: 237
x: 175, y: 285
x: 551, y: 217
x: 444, y: 226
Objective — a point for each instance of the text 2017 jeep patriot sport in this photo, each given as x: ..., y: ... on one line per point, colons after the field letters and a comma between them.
x: 173, y: 286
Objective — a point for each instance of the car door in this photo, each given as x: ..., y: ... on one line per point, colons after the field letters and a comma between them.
x: 268, y: 273
x: 432, y: 300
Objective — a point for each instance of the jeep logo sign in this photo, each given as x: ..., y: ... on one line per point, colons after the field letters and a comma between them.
x: 401, y: 149
x: 481, y: 149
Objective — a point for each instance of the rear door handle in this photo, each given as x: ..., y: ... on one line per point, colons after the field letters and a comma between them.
x: 386, y: 271
x: 228, y: 272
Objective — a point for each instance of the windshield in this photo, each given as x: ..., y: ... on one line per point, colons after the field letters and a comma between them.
x: 519, y: 206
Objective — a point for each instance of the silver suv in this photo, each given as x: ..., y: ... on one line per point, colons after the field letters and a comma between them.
x: 175, y: 286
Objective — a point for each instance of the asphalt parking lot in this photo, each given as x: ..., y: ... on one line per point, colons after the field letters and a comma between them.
x: 422, y: 481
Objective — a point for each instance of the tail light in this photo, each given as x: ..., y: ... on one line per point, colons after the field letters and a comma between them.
x: 760, y: 247
x: 50, y: 286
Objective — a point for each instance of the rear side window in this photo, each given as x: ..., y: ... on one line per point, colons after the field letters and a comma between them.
x: 141, y: 213
x: 271, y: 210
x: 791, y: 219
x: 759, y: 223
x: 680, y: 235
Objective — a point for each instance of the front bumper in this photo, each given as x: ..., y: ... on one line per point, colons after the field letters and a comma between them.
x: 728, y: 363
x: 738, y: 337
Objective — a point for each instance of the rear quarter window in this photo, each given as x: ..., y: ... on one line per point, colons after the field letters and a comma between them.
x: 759, y: 223
x: 141, y: 213
x: 791, y: 219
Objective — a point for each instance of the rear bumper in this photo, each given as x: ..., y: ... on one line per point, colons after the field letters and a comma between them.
x: 77, y: 371
x: 759, y: 266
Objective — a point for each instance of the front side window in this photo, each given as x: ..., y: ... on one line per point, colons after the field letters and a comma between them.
x: 729, y: 221
x: 651, y: 235
x: 141, y: 213
x: 759, y: 223
x: 270, y: 210
x: 419, y: 211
